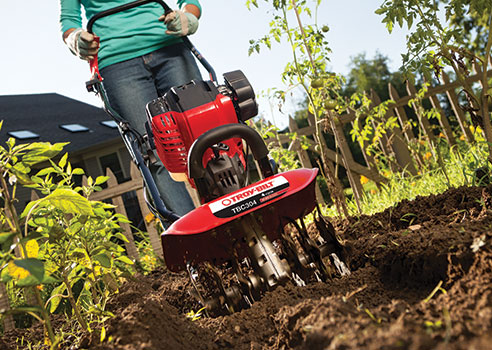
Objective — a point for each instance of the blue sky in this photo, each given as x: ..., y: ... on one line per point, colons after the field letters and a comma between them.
x: 35, y: 60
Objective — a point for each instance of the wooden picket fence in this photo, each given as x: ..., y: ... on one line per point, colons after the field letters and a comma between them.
x: 115, y: 191
x: 394, y: 144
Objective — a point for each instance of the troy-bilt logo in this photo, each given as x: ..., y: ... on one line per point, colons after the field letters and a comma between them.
x: 246, y: 194
x: 249, y: 198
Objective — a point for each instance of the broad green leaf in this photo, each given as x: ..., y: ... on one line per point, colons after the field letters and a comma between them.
x: 45, y: 171
x: 28, y: 281
x: 5, y: 275
x: 63, y: 161
x: 380, y: 11
x: 55, y: 300
x: 10, y: 142
x: 21, y: 168
x: 103, y: 334
x: 28, y: 207
x: 69, y: 202
x: 85, y: 296
x: 79, y: 253
x: 120, y: 236
x: 5, y: 236
x: 78, y: 171
x: 38, y: 152
x: 125, y: 260
x: 21, y: 177
x: 34, y: 266
x: 16, y: 272
x: 101, y: 179
x: 99, y: 212
x: 103, y: 259
x: 121, y: 218
x: 48, y: 279
x: 96, y: 250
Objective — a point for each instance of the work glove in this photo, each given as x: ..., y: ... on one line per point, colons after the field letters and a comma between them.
x: 180, y: 23
x: 82, y: 44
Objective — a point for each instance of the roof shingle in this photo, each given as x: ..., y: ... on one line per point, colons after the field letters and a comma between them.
x: 44, y: 113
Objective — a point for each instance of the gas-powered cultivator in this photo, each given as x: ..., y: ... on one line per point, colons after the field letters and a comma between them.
x: 244, y: 239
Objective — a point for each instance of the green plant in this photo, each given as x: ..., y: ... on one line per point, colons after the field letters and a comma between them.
x: 436, y: 42
x: 308, y: 71
x: 25, y: 268
x: 149, y: 260
x: 285, y: 159
x: 371, y: 122
x: 79, y: 241
x: 193, y: 316
x: 59, y: 241
x: 434, y: 291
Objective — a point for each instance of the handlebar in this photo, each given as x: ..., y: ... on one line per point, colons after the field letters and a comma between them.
x: 167, y: 9
x: 124, y: 7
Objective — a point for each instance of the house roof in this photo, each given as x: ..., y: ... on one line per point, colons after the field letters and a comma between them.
x: 45, y: 114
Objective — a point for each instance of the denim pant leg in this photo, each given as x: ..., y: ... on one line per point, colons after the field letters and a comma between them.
x: 130, y: 86
x: 172, y: 65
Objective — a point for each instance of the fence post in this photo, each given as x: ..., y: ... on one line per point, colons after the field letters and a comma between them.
x: 154, y: 238
x: 460, y: 114
x: 423, y: 121
x: 398, y: 144
x: 363, y: 146
x: 131, y: 249
x: 335, y: 188
x: 401, y: 114
x: 324, y: 146
x: 347, y: 158
x: 443, y: 120
x: 8, y: 320
x: 303, y: 156
x: 384, y: 141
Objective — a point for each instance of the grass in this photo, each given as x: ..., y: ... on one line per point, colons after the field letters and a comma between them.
x: 460, y: 164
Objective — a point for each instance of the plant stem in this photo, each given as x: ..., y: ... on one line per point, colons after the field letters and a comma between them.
x: 301, y: 28
x: 13, y: 220
x: 75, y: 307
x: 485, y: 95
x: 46, y: 316
x: 318, y: 135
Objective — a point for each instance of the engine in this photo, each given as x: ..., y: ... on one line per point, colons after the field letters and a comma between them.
x: 188, y: 111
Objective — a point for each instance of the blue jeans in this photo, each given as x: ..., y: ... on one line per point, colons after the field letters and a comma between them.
x: 131, y: 84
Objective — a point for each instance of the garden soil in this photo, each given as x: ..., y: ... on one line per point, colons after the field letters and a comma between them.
x: 421, y: 279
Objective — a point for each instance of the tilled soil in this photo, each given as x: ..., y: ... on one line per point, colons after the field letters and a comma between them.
x: 421, y: 279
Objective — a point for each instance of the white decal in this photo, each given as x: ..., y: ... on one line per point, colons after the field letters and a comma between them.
x: 236, y: 197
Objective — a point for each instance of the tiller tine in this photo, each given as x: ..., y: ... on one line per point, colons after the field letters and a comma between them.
x: 235, y: 248
x: 332, y: 244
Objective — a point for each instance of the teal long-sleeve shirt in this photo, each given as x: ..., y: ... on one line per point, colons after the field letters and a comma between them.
x: 124, y: 35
